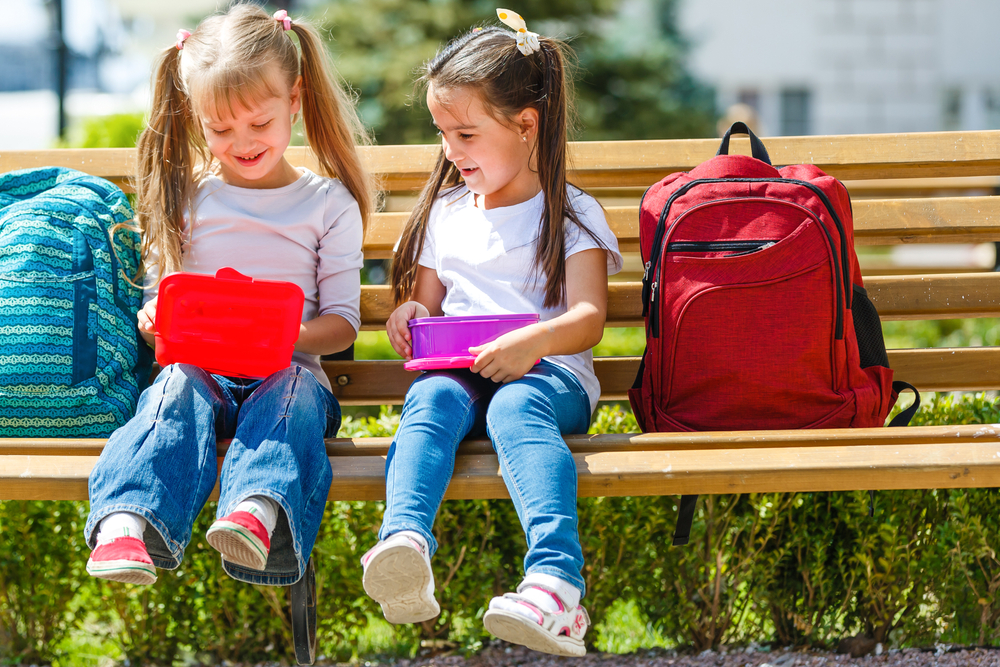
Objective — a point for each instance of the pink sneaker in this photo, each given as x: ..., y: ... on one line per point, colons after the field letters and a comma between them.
x: 241, y: 539
x: 558, y: 633
x: 122, y: 559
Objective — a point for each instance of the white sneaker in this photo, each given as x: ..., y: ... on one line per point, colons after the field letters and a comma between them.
x: 516, y: 619
x: 398, y: 576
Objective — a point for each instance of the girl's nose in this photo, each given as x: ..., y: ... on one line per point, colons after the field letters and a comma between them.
x: 242, y: 144
x: 450, y: 153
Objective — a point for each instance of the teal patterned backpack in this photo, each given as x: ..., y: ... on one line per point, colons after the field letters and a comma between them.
x: 71, y: 360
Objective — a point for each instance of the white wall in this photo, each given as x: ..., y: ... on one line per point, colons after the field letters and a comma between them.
x: 870, y: 65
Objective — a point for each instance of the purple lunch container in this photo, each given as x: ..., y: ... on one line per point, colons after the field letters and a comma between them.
x: 453, y: 336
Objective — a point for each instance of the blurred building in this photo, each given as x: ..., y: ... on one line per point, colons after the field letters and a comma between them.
x: 850, y: 66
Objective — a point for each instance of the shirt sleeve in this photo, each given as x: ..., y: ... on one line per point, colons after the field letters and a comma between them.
x: 338, y: 274
x: 427, y: 252
x: 592, y: 217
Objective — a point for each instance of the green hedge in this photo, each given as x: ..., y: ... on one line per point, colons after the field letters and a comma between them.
x: 799, y: 569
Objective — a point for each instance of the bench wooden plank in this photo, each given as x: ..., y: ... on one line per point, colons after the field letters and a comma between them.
x: 915, y: 297
x: 634, y: 163
x: 877, y: 222
x: 831, y: 460
x: 928, y: 369
x: 935, y: 296
x: 939, y: 220
x: 591, y: 444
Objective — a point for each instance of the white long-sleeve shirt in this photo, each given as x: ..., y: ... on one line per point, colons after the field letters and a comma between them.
x: 308, y: 233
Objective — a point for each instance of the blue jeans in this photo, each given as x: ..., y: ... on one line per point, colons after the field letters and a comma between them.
x: 162, y: 464
x: 525, y: 420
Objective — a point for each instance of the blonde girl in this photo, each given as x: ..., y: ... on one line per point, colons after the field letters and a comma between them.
x: 497, y: 230
x: 214, y: 189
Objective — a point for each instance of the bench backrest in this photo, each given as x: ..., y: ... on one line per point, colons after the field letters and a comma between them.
x: 618, y: 172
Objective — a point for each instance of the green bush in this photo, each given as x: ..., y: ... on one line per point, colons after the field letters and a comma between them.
x: 42, y: 575
x: 113, y: 131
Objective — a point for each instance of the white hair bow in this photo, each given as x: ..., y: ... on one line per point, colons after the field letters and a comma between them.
x: 527, y: 42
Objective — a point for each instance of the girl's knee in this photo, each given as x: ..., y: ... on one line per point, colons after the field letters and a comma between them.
x: 296, y: 391
x: 180, y: 381
x: 295, y: 382
x: 438, y: 389
x: 182, y: 374
x: 518, y: 402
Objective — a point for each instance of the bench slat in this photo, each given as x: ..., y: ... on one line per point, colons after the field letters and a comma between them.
x: 928, y: 369
x: 830, y: 460
x: 916, y: 297
x: 591, y: 444
x: 877, y: 222
x: 634, y: 163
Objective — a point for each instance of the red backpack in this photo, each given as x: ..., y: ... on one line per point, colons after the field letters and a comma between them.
x: 755, y: 312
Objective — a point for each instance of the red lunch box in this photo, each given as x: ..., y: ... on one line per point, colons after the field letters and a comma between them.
x: 228, y: 324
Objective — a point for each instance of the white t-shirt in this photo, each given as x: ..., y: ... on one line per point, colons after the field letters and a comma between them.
x: 308, y: 233
x: 486, y: 261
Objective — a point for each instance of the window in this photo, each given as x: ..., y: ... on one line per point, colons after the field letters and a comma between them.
x: 795, y: 110
x: 951, y: 112
x: 991, y: 99
x: 751, y: 98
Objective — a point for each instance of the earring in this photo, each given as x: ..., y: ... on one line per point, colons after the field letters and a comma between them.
x: 524, y: 138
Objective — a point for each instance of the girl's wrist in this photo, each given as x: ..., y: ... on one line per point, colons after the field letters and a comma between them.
x: 542, y: 340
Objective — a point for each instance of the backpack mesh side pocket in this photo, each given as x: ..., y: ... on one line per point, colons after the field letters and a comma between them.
x: 868, y: 329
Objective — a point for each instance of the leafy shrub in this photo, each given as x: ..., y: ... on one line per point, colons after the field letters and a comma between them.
x: 808, y: 594
x: 975, y: 596
x: 114, y: 131
x: 41, y: 573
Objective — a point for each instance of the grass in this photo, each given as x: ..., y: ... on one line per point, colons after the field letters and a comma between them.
x: 624, y: 630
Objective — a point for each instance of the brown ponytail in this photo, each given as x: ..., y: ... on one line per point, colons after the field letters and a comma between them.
x: 488, y: 62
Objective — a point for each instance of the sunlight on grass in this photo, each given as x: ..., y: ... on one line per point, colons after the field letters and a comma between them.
x: 624, y: 630
x: 373, y: 345
x: 628, y: 342
x: 89, y: 645
x: 377, y: 638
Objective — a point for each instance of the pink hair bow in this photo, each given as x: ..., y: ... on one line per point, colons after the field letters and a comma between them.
x: 182, y: 35
x: 282, y: 16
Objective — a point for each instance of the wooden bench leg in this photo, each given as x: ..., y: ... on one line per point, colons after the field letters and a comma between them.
x: 302, y: 596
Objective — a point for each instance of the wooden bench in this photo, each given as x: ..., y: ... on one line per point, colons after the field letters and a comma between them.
x: 671, y: 463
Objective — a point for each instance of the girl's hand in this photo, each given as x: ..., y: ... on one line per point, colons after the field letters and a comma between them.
x: 147, y: 317
x: 510, y: 356
x: 398, y: 328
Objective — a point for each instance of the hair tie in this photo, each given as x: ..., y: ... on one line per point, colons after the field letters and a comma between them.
x: 527, y: 41
x: 182, y: 35
x: 281, y: 16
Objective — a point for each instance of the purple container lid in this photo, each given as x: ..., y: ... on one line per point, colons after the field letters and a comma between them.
x: 459, y: 319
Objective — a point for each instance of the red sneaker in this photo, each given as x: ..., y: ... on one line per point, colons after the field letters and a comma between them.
x: 241, y: 539
x: 122, y: 559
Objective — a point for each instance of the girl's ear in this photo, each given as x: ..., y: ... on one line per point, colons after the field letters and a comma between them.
x: 295, y: 95
x: 527, y: 121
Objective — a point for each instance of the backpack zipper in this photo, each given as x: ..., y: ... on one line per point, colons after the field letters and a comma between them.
x: 734, y: 247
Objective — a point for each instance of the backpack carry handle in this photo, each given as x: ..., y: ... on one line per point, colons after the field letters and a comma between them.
x: 756, y: 145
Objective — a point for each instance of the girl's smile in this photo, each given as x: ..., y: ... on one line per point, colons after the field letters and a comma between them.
x: 252, y: 160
